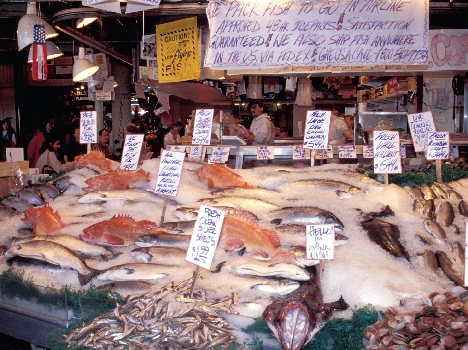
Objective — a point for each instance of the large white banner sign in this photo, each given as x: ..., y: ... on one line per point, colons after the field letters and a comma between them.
x: 271, y: 34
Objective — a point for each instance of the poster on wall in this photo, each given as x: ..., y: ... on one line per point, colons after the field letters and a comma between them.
x: 272, y: 34
x: 177, y: 51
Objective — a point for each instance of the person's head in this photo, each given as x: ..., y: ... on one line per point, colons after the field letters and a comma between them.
x: 336, y: 110
x: 131, y: 129
x: 118, y: 152
x: 277, y: 130
x: 76, y: 133
x: 179, y: 123
x: 256, y: 108
x: 48, y: 126
x: 5, y: 124
x: 174, y: 128
x: 103, y: 136
x: 349, y: 120
x: 52, y: 144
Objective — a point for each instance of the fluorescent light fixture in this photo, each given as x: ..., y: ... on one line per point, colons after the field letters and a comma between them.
x: 83, y: 22
x: 52, y: 52
x: 26, y: 24
x: 82, y: 68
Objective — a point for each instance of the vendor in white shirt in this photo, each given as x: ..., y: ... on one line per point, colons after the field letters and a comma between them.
x: 262, y: 130
x: 172, y: 137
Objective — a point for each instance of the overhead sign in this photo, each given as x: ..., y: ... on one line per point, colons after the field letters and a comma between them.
x: 271, y: 34
x: 177, y: 51
x: 114, y: 5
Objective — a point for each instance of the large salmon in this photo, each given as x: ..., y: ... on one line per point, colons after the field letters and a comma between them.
x: 218, y: 176
x: 116, y: 180
x: 43, y: 220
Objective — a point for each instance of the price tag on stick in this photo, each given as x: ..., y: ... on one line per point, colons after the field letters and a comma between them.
x: 131, y: 152
x: 320, y: 242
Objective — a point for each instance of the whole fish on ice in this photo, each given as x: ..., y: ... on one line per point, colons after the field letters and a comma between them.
x: 95, y: 159
x: 324, y: 184
x: 116, y: 180
x: 277, y: 287
x: 190, y: 213
x: 43, y: 220
x: 164, y: 240
x: 218, y: 176
x: 17, y: 204
x: 444, y: 213
x: 280, y: 270
x: 31, y: 196
x: 129, y: 195
x: 134, y: 272
x: 239, y: 203
x: 304, y: 216
x: 157, y: 254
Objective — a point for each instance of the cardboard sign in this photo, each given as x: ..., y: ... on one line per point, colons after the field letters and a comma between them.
x: 300, y: 153
x: 347, y: 152
x: 220, y: 155
x: 420, y: 125
x: 88, y: 128
x: 131, y: 151
x: 320, y: 242
x: 202, y: 127
x: 387, y: 152
x: 205, y: 236
x: 316, y: 130
x: 14, y: 154
x: 265, y: 152
x: 368, y: 151
x: 170, y: 169
x: 438, y: 145
x: 324, y: 153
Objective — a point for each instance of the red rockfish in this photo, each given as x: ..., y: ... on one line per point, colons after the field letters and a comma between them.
x: 96, y: 158
x: 43, y: 220
x: 116, y: 180
x: 218, y: 176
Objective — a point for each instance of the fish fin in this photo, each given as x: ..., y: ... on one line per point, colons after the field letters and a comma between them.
x: 113, y: 239
x: 276, y: 221
x: 210, y: 183
x: 261, y: 253
x: 272, y: 237
x: 233, y: 244
x: 84, y: 279
x: 218, y: 267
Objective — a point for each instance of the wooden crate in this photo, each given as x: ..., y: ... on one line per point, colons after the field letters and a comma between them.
x: 5, y: 168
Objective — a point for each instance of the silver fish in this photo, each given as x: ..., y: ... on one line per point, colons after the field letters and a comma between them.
x: 6, y: 212
x: 432, y: 241
x: 164, y: 240
x: 281, y: 270
x: 62, y: 182
x: 30, y: 196
x: 126, y: 288
x: 439, y: 191
x: 427, y: 192
x: 134, y: 272
x: 80, y: 247
x: 444, y: 213
x: 278, y: 287
x: 298, y: 229
x: 17, y: 204
x: 239, y: 203
x: 430, y: 261
x: 324, y: 184
x: 246, y: 192
x: 300, y: 256
x: 304, y: 215
x: 46, y: 189
x: 463, y: 208
x: 130, y: 195
x: 424, y: 207
x: 415, y: 192
x: 180, y: 226
x: 55, y: 254
x: 446, y: 266
x: 434, y: 229
x: 190, y: 213
x: 459, y: 253
x: 157, y: 255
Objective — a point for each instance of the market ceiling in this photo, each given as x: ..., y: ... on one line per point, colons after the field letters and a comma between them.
x: 122, y: 32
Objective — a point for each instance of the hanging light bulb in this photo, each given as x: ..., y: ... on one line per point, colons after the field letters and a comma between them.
x: 52, y: 52
x: 83, y: 22
x: 26, y: 24
x: 83, y: 68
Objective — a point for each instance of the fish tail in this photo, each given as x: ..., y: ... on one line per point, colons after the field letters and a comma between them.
x: 84, y: 279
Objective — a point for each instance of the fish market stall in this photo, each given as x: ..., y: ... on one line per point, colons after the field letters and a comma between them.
x: 385, y: 243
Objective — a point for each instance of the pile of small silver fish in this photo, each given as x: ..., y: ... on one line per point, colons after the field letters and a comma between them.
x: 442, y: 324
x: 167, y: 319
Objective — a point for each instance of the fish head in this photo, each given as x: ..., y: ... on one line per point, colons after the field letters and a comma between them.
x: 294, y: 325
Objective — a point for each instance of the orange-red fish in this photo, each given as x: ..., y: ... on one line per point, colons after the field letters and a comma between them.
x: 43, y: 220
x: 116, y: 180
x: 120, y: 230
x: 238, y: 232
x: 96, y: 158
x: 218, y: 176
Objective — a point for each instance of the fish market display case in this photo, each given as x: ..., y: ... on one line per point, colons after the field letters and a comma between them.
x: 367, y: 122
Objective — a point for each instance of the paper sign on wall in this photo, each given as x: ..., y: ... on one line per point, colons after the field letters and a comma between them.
x: 131, y: 151
x: 320, y: 242
x: 387, y: 152
x: 205, y: 236
x: 170, y: 169
x: 316, y: 130
x: 438, y: 145
x: 368, y: 151
x: 300, y: 153
x: 265, y: 152
x: 220, y: 155
x: 345, y: 151
x: 202, y: 126
x: 88, y: 128
x: 420, y: 124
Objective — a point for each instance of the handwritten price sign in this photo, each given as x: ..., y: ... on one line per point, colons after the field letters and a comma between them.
x: 300, y: 153
x: 316, y: 130
x: 320, y: 242
x: 202, y: 126
x: 220, y: 154
x: 346, y: 152
x: 88, y: 128
x: 265, y: 152
x: 205, y: 236
x: 131, y: 152
x: 170, y: 169
x: 367, y: 151
x: 438, y: 145
x: 324, y: 153
x: 387, y: 152
x: 420, y: 125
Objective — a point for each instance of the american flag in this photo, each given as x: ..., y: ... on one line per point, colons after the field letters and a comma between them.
x: 39, y: 47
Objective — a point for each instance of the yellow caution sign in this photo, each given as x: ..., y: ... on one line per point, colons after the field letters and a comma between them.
x: 177, y: 51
